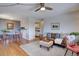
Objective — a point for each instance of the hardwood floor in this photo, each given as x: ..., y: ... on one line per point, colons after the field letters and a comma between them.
x: 13, y: 49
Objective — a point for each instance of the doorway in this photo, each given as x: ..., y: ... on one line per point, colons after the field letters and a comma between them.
x: 39, y: 25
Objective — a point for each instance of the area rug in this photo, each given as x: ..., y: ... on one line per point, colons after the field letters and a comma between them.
x: 33, y: 49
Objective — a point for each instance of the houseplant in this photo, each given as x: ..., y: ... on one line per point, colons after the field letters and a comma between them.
x: 74, y: 33
x: 4, y: 30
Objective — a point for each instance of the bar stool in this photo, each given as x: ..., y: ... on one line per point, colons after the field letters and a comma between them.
x: 5, y: 40
x: 1, y: 36
x: 17, y: 36
x: 9, y: 37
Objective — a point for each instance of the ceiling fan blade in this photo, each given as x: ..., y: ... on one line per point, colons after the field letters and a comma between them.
x: 37, y: 9
x: 49, y: 8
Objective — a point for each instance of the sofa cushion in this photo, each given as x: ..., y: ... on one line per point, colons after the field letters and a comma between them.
x: 58, y: 41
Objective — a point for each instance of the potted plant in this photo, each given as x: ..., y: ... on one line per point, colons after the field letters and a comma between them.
x: 5, y: 30
x: 74, y: 33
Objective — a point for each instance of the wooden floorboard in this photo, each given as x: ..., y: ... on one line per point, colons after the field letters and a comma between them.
x: 13, y: 49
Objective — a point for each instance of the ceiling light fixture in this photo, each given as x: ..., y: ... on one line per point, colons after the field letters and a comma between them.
x: 42, y: 8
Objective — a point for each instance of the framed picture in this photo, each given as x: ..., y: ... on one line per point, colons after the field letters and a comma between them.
x: 10, y: 26
x: 55, y: 26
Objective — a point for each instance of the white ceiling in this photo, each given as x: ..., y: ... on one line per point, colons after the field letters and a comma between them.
x: 27, y: 10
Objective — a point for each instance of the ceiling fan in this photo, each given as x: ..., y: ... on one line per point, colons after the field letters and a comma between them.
x: 43, y: 7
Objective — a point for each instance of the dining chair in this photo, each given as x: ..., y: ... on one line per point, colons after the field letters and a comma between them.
x: 73, y: 49
x: 72, y: 45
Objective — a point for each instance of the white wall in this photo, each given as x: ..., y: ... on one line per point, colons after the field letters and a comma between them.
x: 4, y: 22
x: 28, y: 23
x: 32, y: 28
x: 68, y: 23
x: 25, y: 33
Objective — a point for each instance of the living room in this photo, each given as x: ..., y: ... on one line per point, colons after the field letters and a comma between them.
x: 58, y: 18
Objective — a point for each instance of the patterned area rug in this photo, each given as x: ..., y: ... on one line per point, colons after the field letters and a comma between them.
x: 33, y: 49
